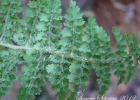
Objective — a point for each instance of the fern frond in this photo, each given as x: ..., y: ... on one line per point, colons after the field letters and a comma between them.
x: 133, y: 57
x: 102, y: 59
x: 8, y: 27
x: 124, y: 59
x: 58, y: 72
x: 69, y: 39
x: 44, y: 34
x: 74, y: 25
x: 120, y: 55
x: 7, y: 69
x: 64, y: 55
x: 33, y: 75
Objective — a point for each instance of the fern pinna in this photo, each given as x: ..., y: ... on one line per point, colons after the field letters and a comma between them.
x: 62, y: 53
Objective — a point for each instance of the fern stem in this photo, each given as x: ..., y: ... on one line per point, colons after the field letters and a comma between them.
x: 50, y: 32
x: 15, y: 47
x: 46, y: 50
x: 68, y: 94
x: 77, y: 58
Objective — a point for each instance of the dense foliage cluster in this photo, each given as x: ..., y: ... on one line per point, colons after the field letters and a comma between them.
x: 62, y: 53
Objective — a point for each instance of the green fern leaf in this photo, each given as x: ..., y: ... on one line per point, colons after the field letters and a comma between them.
x: 64, y: 55
x: 121, y: 47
